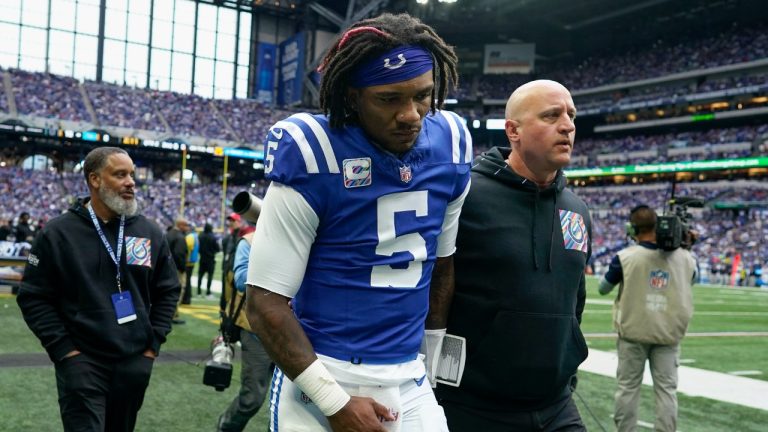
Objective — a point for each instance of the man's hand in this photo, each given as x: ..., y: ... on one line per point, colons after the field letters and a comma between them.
x: 605, y: 287
x: 149, y: 354
x: 71, y: 354
x: 361, y: 414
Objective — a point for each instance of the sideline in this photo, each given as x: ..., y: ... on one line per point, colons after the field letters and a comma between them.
x: 692, y: 381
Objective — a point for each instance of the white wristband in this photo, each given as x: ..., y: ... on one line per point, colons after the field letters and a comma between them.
x: 318, y: 384
x: 431, y: 347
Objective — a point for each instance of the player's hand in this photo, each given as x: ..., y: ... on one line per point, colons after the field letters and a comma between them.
x: 361, y: 414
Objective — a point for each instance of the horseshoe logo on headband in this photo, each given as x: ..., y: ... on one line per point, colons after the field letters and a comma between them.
x: 395, y: 66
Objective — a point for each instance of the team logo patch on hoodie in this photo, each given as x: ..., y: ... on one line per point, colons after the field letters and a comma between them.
x: 138, y: 251
x: 575, y: 234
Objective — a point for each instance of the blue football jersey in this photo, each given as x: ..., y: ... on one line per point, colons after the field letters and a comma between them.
x: 365, y: 293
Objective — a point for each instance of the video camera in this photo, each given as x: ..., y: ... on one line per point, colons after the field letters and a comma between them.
x: 218, y: 370
x: 673, y: 230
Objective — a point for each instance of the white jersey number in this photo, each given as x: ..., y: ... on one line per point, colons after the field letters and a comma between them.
x: 390, y: 243
x: 268, y: 158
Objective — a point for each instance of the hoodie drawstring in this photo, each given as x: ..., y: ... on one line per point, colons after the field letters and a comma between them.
x: 555, y: 217
x: 533, y: 230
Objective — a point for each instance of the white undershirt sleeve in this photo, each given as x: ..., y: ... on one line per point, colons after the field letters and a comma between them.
x: 285, y: 231
x: 446, y: 242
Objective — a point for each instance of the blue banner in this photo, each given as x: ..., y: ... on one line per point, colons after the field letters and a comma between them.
x: 265, y: 78
x: 291, y: 84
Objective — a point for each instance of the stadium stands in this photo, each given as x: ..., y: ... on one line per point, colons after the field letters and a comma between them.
x: 172, y: 115
x: 249, y: 118
x: 667, y: 56
x: 737, y: 229
x: 124, y: 107
x: 46, y: 194
x: 724, y: 233
x: 48, y: 95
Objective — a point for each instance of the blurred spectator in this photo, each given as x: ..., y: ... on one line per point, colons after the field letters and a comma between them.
x: 209, y: 246
x: 5, y: 229
x: 23, y: 231
x: 193, y: 256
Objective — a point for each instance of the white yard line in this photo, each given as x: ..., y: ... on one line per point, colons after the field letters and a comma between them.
x: 693, y: 382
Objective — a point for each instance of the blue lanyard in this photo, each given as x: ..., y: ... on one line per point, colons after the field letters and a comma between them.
x: 115, y: 259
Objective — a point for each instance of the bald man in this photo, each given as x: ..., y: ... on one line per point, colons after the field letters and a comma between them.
x: 522, y: 247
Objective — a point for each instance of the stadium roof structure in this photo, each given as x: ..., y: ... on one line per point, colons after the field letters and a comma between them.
x: 563, y: 29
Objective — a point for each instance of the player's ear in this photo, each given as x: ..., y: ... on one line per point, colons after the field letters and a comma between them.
x: 353, y: 99
x: 94, y: 180
x: 512, y: 130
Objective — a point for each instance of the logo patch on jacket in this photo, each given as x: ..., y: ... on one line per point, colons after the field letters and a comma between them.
x: 575, y: 234
x: 138, y: 251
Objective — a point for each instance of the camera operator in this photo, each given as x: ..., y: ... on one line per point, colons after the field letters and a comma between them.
x: 256, y: 365
x: 651, y: 314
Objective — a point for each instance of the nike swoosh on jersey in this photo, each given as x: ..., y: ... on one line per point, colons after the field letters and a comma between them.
x: 278, y: 133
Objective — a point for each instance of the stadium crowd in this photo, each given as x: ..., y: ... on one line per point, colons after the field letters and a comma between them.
x: 48, y: 95
x: 44, y: 194
x: 176, y: 115
x: 669, y: 55
x: 722, y: 233
x: 124, y: 107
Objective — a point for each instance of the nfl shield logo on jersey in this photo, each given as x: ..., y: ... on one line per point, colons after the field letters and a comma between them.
x: 405, y: 174
x: 659, y: 279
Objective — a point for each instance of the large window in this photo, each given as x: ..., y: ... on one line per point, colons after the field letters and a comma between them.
x: 178, y: 45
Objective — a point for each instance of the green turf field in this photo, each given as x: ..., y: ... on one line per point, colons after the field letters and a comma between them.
x: 178, y: 401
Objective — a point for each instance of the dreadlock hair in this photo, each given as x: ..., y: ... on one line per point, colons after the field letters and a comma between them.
x: 369, y: 38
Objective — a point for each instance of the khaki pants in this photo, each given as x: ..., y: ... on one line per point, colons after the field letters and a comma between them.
x: 183, y: 282
x: 664, y: 361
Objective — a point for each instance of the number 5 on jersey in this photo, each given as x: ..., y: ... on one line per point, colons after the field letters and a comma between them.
x: 269, y: 159
x: 390, y: 243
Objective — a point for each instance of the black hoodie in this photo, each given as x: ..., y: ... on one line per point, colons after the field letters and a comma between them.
x: 519, y: 288
x: 65, y: 294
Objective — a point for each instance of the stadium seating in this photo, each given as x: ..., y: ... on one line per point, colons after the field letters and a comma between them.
x: 54, y: 98
x: 124, y: 107
x: 46, y: 194
x: 722, y: 232
x: 48, y: 95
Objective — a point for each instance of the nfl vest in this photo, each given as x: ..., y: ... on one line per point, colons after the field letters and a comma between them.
x: 655, y: 300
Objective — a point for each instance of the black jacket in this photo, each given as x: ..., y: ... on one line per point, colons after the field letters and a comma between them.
x: 208, y: 248
x: 177, y: 242
x: 65, y: 294
x: 520, y: 288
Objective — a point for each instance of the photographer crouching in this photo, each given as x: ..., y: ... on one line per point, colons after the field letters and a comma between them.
x: 651, y: 312
x: 256, y: 369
